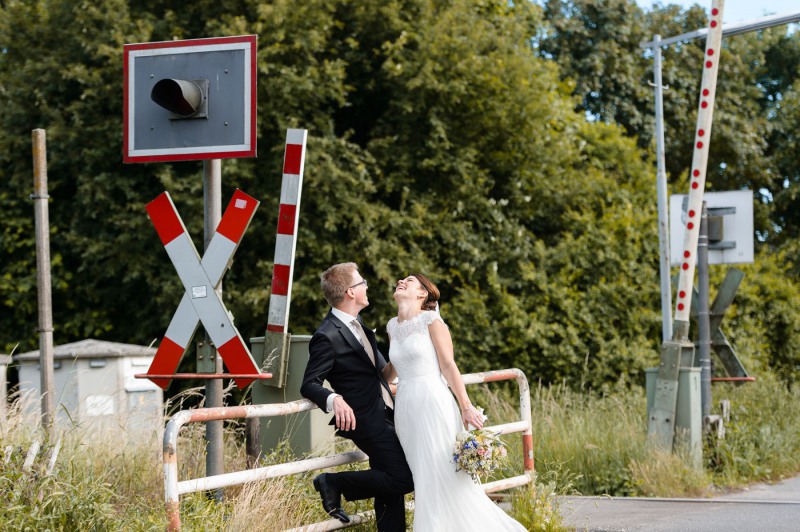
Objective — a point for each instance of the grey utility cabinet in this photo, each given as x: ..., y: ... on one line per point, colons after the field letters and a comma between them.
x: 94, y: 384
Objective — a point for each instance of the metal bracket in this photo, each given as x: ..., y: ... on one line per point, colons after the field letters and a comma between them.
x: 206, y: 357
x: 723, y: 244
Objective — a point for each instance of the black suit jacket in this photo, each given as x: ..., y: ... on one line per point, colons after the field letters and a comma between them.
x: 337, y: 356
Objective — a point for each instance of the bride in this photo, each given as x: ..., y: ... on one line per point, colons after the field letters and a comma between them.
x: 427, y: 418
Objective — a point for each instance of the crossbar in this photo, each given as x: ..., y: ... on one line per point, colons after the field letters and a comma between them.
x: 173, y: 488
x: 255, y: 376
x: 729, y: 29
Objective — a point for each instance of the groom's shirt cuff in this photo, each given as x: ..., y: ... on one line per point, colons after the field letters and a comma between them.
x: 329, y: 404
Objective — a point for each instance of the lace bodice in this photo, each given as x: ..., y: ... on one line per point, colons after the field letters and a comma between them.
x: 411, y: 350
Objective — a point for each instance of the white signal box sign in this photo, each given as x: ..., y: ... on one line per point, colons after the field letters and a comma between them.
x: 733, y: 244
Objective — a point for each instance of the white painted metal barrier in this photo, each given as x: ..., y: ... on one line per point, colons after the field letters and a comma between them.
x: 173, y: 488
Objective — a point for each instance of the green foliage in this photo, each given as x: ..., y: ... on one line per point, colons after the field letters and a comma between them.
x: 537, y: 507
x: 596, y: 43
x: 439, y: 141
x: 77, y: 495
x: 589, y: 440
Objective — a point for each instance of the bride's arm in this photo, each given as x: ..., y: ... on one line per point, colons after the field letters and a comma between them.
x: 389, y: 373
x: 443, y: 343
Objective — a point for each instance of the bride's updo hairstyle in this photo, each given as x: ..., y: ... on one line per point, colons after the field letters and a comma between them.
x: 433, y: 292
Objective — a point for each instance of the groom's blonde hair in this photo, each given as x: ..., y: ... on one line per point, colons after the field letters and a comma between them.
x: 336, y: 280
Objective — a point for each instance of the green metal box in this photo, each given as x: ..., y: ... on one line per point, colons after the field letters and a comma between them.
x: 307, y: 432
x: 688, y: 410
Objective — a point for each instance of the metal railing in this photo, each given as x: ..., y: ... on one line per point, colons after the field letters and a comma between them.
x: 173, y: 488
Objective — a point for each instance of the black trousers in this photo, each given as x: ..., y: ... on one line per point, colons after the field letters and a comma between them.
x: 388, y: 479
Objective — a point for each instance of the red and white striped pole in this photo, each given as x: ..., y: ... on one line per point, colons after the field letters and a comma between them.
x: 288, y: 219
x: 276, y: 339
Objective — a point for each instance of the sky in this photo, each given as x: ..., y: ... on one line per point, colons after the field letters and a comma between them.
x: 737, y: 10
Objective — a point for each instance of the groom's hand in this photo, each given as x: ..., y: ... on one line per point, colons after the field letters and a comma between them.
x: 345, y: 418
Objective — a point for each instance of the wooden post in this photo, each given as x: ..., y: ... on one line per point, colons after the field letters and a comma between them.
x: 41, y: 213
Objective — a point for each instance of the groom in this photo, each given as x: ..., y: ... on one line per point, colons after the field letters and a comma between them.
x: 343, y: 352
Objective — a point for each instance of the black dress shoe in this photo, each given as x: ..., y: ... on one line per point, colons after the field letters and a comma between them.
x: 331, y: 498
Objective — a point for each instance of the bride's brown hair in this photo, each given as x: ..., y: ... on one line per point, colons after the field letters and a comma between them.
x: 433, y: 292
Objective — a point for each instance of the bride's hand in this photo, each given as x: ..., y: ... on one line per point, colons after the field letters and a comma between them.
x: 471, y: 416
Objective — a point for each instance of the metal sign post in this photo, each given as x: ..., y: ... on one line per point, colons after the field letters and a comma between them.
x: 196, y: 100
x: 703, y: 325
x: 661, y: 194
x: 212, y: 209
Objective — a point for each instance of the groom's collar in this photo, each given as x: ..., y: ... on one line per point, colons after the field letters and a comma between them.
x: 343, y: 316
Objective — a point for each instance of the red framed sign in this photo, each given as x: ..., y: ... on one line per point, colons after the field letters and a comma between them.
x: 190, y: 100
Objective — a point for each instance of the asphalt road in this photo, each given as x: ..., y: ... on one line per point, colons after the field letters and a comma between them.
x: 762, y: 507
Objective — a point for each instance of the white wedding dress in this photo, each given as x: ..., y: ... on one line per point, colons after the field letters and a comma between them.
x: 427, y: 421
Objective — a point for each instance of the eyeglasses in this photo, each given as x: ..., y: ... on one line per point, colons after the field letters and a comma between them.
x: 362, y: 281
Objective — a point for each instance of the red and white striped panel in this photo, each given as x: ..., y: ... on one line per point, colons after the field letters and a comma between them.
x: 286, y: 241
x: 708, y: 86
x: 200, y: 278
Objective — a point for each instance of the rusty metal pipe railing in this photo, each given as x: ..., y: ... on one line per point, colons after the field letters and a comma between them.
x: 173, y: 489
x: 524, y: 405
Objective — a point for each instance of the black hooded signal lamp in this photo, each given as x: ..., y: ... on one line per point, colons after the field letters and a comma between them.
x: 183, y: 98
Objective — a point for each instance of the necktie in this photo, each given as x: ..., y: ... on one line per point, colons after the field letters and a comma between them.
x: 387, y: 398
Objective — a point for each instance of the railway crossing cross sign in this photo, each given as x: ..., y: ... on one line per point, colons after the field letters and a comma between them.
x: 200, y: 277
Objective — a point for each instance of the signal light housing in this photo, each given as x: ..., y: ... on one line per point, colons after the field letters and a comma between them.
x: 183, y: 98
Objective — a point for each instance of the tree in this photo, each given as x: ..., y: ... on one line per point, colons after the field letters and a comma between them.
x: 438, y: 142
x: 596, y: 43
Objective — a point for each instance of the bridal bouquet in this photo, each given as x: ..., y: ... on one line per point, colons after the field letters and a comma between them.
x: 479, y: 452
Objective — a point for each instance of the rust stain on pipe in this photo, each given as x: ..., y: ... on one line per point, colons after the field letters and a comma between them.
x: 173, y: 516
x: 527, y: 451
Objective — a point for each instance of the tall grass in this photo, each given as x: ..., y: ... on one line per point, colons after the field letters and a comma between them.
x: 97, y: 474
x: 762, y: 439
x: 583, y: 443
x: 597, y: 443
